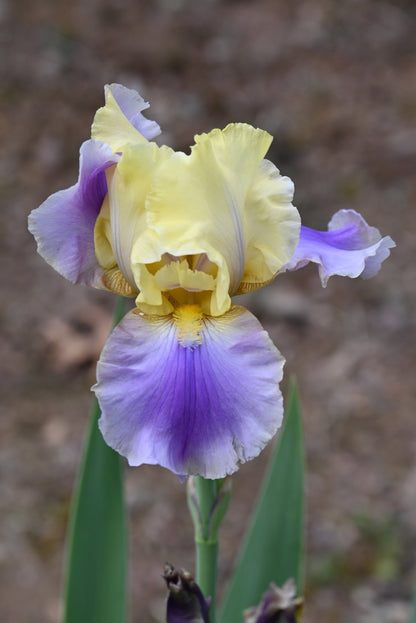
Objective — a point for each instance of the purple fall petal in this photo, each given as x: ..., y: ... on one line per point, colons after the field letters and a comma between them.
x: 350, y: 248
x: 199, y: 409
x: 132, y: 104
x: 63, y: 225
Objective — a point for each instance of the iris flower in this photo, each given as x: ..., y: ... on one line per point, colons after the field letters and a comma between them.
x: 188, y: 380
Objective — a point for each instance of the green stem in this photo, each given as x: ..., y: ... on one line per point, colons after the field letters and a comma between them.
x: 206, y: 541
x: 206, y: 571
x: 206, y: 491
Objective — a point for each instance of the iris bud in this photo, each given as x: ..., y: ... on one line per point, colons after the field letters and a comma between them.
x: 278, y: 605
x: 186, y: 603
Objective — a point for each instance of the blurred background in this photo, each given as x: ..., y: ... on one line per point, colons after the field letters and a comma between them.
x: 335, y: 83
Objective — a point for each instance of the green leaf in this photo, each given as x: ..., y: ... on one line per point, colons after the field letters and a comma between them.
x: 413, y: 619
x: 96, y: 577
x: 273, y: 549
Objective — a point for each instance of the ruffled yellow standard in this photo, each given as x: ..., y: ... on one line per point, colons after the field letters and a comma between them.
x: 197, y: 228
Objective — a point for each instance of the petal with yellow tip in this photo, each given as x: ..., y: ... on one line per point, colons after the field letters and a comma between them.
x: 121, y: 121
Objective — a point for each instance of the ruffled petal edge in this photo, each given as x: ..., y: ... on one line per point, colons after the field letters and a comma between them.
x: 200, y: 400
x: 132, y: 104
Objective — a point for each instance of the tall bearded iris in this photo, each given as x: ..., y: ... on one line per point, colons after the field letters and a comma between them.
x: 188, y: 380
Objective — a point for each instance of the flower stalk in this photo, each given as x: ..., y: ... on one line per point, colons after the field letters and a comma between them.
x: 208, y: 502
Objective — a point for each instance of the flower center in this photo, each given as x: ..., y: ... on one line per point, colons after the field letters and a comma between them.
x: 188, y: 321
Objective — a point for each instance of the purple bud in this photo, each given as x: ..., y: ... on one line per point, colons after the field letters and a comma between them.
x: 186, y: 603
x: 278, y: 605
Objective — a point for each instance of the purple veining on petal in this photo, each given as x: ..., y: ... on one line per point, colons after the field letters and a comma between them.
x: 201, y: 409
x: 132, y: 104
x: 64, y: 224
x: 350, y: 248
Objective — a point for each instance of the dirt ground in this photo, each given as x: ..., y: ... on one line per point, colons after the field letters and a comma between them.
x: 335, y: 83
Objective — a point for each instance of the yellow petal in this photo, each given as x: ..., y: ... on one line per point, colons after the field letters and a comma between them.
x: 273, y: 227
x: 128, y: 185
x: 163, y: 309
x: 111, y: 126
x: 149, y: 291
x: 103, y: 236
x: 179, y: 275
x: 198, y: 202
x: 165, y: 285
x: 113, y: 279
